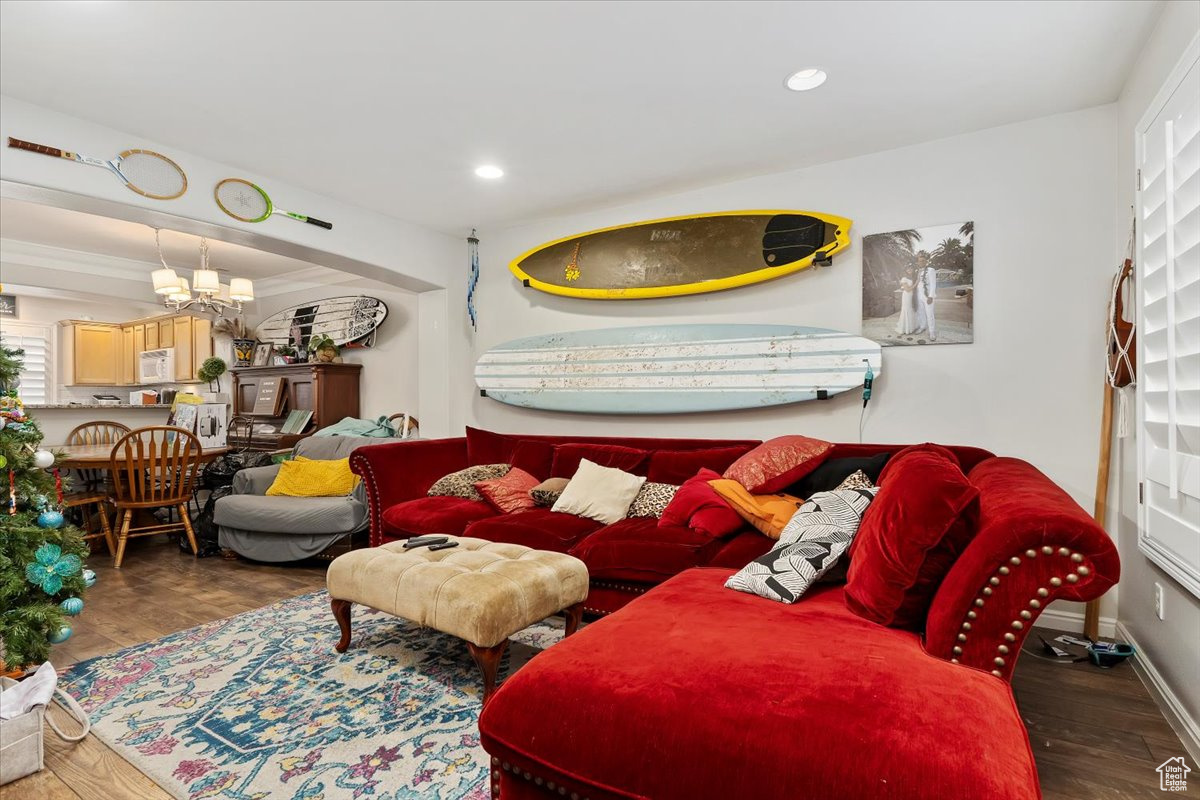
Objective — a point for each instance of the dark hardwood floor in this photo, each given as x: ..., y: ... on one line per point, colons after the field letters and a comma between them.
x: 1095, y: 733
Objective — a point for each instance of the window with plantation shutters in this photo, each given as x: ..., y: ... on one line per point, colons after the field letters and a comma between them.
x: 36, y: 375
x: 1168, y: 389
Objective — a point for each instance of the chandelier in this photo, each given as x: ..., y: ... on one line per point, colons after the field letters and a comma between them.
x: 210, y: 294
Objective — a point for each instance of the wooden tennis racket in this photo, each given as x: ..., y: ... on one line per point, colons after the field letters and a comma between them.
x: 148, y: 173
x: 247, y: 202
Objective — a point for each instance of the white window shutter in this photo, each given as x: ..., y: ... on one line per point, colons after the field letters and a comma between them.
x: 36, y: 374
x: 1168, y: 208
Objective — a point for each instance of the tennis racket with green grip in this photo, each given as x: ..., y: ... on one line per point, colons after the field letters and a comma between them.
x: 247, y: 202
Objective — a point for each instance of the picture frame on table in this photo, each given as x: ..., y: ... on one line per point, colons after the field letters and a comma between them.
x: 262, y: 355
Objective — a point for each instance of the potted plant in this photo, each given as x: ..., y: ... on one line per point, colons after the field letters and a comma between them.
x: 323, y: 349
x: 211, y: 371
x: 287, y: 353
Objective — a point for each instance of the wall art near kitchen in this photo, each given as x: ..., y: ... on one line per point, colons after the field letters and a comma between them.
x: 918, y: 285
x: 675, y: 369
x: 349, y: 321
x: 146, y: 172
x: 683, y: 255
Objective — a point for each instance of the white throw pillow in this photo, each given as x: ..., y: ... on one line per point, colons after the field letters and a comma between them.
x: 600, y: 493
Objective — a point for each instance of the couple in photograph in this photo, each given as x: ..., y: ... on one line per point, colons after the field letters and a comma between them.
x: 918, y: 297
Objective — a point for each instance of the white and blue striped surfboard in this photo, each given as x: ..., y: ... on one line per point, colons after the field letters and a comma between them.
x: 675, y: 369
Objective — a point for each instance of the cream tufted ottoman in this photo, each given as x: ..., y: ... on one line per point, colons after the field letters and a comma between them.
x: 480, y: 591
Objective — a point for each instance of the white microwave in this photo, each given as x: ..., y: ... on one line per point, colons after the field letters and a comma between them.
x: 157, y: 366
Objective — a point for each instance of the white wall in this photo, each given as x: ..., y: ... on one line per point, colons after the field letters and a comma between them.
x: 390, y: 369
x: 1171, y: 645
x: 1040, y: 194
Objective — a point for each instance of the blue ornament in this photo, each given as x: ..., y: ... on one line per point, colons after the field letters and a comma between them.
x: 50, y: 518
x: 61, y: 635
x: 89, y: 578
x: 50, y: 566
x: 72, y: 606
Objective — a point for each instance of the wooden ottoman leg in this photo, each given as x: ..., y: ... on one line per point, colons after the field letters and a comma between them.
x: 488, y: 659
x: 341, y: 612
x: 574, y: 616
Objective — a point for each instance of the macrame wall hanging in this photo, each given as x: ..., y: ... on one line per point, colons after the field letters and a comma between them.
x: 472, y: 277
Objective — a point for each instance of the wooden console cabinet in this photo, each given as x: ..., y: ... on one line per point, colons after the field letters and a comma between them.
x: 330, y: 391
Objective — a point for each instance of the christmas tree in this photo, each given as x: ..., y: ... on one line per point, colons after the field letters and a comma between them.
x: 41, y: 558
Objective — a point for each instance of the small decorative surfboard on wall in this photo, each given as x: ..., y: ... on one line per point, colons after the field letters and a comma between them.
x: 683, y: 255
x: 675, y: 369
x: 347, y: 320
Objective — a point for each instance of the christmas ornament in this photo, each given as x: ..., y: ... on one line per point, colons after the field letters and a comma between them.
x: 72, y: 606
x: 61, y: 635
x: 3, y: 459
x: 58, y: 490
x: 50, y: 518
x: 3, y: 422
x: 43, y: 459
x: 50, y: 566
x: 89, y: 578
x: 12, y: 493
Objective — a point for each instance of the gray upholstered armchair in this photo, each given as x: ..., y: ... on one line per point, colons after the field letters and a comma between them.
x: 290, y: 528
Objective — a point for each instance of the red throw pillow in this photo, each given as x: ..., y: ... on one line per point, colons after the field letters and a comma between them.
x: 698, y: 506
x: 626, y: 459
x: 676, y: 466
x: 510, y: 493
x: 923, y: 517
x: 778, y: 463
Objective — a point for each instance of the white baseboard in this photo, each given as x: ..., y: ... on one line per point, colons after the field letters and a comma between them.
x: 1073, y: 621
x: 1177, y: 716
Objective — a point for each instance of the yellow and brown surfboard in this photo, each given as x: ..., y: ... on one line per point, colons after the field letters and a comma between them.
x: 683, y: 255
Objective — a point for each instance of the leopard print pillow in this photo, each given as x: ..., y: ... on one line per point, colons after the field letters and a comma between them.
x: 462, y: 483
x: 652, y: 499
x: 856, y: 480
x: 546, y: 493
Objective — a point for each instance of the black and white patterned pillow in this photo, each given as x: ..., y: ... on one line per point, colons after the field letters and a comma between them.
x: 652, y: 500
x: 809, y: 545
x: 546, y: 493
x: 462, y: 483
x: 856, y: 480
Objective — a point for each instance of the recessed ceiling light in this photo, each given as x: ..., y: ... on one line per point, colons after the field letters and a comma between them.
x: 489, y: 171
x: 805, y: 79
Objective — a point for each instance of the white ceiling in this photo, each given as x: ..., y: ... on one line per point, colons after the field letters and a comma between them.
x: 59, y: 241
x: 115, y: 238
x: 392, y: 105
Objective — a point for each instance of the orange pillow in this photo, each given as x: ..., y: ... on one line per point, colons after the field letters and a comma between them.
x: 767, y: 512
x: 510, y: 493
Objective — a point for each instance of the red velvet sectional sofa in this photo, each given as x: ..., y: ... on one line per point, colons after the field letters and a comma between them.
x: 624, y: 559
x: 696, y: 691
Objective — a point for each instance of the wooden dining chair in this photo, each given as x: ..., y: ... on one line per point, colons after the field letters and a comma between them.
x: 153, y: 468
x: 408, y: 425
x: 91, y: 433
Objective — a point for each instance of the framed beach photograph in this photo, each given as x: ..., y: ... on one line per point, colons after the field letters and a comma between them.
x: 262, y: 355
x: 918, y: 285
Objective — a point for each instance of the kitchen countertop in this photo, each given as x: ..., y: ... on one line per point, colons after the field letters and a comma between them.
x: 52, y: 406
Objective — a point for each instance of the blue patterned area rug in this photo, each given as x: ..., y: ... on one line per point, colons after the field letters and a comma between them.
x: 260, y: 706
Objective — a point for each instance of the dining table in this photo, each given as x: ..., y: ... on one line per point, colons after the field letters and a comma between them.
x: 99, y: 456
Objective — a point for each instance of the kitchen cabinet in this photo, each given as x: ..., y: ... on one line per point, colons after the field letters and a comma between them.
x: 108, y: 354
x: 185, y: 370
x: 129, y: 357
x: 90, y: 353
